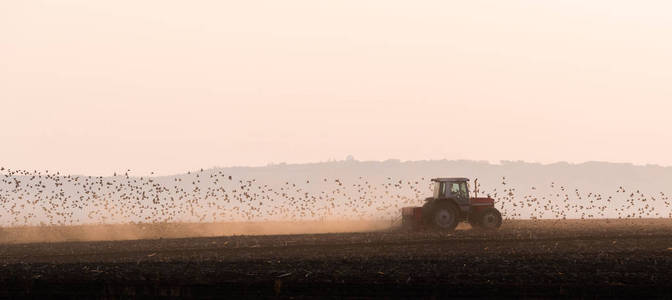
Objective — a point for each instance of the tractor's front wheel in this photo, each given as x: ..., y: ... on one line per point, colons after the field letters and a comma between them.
x: 488, y: 219
x: 444, y: 217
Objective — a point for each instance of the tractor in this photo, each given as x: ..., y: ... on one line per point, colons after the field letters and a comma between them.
x: 450, y: 205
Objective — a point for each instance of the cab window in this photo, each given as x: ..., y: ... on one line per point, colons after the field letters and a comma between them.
x: 454, y: 188
x: 439, y: 189
x: 463, y: 189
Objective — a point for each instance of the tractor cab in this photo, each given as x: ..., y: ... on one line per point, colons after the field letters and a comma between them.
x: 452, y: 188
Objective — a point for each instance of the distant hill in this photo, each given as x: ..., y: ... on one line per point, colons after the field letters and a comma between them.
x: 340, y: 189
x: 593, y: 176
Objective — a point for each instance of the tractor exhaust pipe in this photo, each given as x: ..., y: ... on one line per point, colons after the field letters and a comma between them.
x: 476, y: 188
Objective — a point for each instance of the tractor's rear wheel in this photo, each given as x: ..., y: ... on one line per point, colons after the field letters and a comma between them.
x: 444, y: 217
x: 488, y: 219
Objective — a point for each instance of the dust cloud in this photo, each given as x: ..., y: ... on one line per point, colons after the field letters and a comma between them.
x: 112, y: 232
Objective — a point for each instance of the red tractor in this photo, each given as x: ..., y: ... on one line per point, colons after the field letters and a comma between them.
x: 450, y: 205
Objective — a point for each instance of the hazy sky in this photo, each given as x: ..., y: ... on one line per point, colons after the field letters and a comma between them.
x: 93, y: 87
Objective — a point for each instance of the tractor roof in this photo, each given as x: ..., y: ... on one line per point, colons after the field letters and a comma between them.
x: 449, y: 179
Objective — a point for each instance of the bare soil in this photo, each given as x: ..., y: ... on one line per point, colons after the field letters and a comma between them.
x: 531, y: 259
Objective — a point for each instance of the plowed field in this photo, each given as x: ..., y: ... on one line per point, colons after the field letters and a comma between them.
x: 616, y: 258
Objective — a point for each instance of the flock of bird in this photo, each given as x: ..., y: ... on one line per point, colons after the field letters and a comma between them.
x: 43, y: 198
